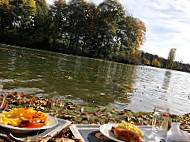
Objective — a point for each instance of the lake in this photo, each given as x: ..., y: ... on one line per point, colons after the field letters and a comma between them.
x: 93, y: 82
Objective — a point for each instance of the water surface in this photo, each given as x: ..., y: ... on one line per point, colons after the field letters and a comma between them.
x: 93, y: 82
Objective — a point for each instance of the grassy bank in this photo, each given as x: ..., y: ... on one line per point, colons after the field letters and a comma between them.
x: 85, y: 114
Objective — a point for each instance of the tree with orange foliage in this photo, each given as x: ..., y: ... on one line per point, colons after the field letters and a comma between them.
x: 141, y: 32
x: 156, y: 63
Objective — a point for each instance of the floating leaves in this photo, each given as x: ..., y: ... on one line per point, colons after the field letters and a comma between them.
x: 102, y: 94
x: 66, y: 77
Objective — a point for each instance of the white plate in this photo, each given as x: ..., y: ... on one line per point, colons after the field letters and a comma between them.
x: 106, y: 131
x: 146, y: 130
x: 53, y: 122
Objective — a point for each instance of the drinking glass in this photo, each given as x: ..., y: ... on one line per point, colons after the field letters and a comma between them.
x: 160, y: 122
x: 3, y: 96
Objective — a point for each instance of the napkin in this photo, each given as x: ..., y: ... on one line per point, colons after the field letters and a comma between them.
x: 175, y: 134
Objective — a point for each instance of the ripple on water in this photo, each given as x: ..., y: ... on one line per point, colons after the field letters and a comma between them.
x: 82, y: 80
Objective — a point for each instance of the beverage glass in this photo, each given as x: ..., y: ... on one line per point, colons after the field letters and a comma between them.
x: 3, y: 96
x: 160, y: 122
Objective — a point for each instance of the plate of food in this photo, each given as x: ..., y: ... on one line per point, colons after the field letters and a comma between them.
x: 26, y: 120
x: 122, y: 132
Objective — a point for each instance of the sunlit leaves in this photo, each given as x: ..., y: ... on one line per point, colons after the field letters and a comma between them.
x: 141, y: 32
x: 156, y: 63
x: 2, y: 2
x: 30, y: 6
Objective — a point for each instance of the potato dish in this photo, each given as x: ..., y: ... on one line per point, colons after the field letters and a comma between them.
x: 24, y: 117
x: 128, y: 132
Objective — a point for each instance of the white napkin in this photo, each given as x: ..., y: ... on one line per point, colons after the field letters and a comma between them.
x: 175, y: 134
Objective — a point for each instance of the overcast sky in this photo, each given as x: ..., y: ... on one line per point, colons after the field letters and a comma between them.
x: 167, y: 23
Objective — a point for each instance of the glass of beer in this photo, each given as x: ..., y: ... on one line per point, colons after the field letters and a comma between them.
x: 160, y: 122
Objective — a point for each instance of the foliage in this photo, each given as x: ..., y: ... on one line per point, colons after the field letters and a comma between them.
x: 147, y: 62
x: 171, y: 57
x: 156, y: 63
x: 6, y: 17
x: 77, y: 27
x: 81, y: 28
x: 149, y: 59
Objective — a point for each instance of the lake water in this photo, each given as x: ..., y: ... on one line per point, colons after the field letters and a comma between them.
x: 93, y: 82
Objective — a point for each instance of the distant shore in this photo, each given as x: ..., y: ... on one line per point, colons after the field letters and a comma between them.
x: 160, y: 62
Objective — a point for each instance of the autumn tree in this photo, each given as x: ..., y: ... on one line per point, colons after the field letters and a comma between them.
x: 171, y: 57
x: 16, y: 18
x: 24, y: 13
x: 77, y: 27
x: 156, y: 63
x: 6, y: 19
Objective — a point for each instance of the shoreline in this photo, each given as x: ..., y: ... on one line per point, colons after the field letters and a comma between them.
x: 85, y: 114
x: 95, y: 58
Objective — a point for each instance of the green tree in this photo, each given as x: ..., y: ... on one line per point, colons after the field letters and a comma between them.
x: 58, y: 12
x: 6, y: 19
x: 16, y: 17
x: 76, y: 27
x: 42, y: 25
x: 23, y: 16
x: 133, y: 34
x: 76, y: 19
x: 90, y: 34
x: 110, y: 14
x: 177, y: 65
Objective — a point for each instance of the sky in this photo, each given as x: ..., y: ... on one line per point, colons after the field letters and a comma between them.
x: 167, y: 25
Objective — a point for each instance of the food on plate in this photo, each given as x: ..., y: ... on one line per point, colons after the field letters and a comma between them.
x: 128, y: 132
x: 24, y: 117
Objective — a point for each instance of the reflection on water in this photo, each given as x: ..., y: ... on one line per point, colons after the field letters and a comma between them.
x: 93, y: 82
x: 68, y: 77
x: 167, y: 77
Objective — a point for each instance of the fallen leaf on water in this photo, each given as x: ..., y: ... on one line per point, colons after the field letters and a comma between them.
x: 70, y: 77
x: 17, y: 73
x: 102, y: 94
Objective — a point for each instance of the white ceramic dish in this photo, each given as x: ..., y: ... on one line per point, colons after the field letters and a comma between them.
x: 146, y: 130
x: 106, y: 131
x: 53, y: 122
